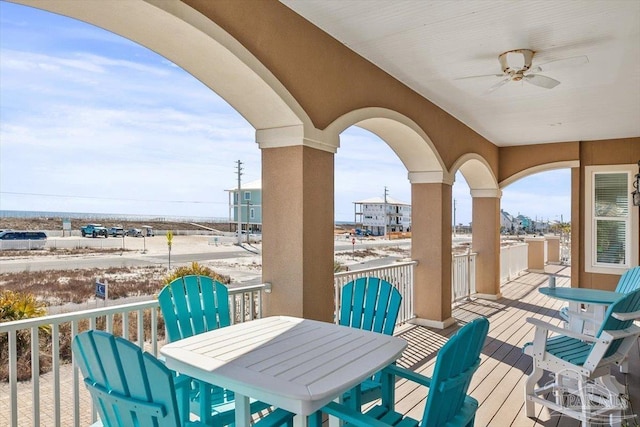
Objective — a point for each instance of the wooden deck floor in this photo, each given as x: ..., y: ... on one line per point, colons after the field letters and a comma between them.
x: 499, y: 382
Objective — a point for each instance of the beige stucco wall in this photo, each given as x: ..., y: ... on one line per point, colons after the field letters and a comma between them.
x: 516, y: 159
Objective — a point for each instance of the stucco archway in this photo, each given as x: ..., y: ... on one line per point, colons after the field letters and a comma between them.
x: 411, y: 144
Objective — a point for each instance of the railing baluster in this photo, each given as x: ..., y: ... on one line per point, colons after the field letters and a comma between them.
x: 154, y: 327
x: 55, y: 362
x: 140, y: 329
x: 35, y: 375
x: 75, y: 379
x: 125, y: 325
x: 13, y: 377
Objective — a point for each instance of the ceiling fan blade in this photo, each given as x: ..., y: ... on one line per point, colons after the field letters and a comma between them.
x: 479, y: 76
x: 498, y: 85
x: 542, y: 81
x: 560, y: 63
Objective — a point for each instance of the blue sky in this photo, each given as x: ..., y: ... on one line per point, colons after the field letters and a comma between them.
x: 91, y: 122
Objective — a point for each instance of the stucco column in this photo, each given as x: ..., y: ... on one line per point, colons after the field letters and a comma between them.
x: 431, y: 247
x: 297, y: 227
x: 486, y: 242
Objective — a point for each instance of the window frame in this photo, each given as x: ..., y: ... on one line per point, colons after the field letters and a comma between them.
x: 631, y: 236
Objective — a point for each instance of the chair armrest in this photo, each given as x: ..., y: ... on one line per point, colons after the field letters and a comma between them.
x: 620, y: 333
x: 634, y: 315
x: 410, y: 375
x: 351, y: 416
x: 559, y: 330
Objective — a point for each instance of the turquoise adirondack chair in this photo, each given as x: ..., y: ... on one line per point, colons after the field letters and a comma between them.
x: 371, y: 304
x: 628, y: 282
x: 447, y: 404
x: 582, y: 385
x: 191, y: 305
x: 130, y: 387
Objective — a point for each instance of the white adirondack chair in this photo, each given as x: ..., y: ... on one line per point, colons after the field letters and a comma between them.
x: 582, y: 386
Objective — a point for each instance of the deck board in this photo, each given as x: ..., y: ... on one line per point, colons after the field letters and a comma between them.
x: 499, y: 382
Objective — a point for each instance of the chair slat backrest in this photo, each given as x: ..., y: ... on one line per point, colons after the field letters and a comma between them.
x: 128, y: 387
x: 194, y: 304
x: 629, y: 281
x: 371, y: 304
x: 627, y: 304
x: 457, y: 361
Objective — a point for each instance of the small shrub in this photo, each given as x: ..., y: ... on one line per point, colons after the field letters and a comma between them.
x: 197, y: 270
x: 16, y: 306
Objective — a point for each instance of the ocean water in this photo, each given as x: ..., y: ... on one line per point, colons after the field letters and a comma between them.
x: 93, y: 215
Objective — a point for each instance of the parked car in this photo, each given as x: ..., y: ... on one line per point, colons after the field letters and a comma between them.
x: 148, y: 231
x: 116, y: 231
x: 94, y: 230
x: 18, y: 239
x: 134, y: 232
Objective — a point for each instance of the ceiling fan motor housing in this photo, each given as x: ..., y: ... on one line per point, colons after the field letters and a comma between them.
x: 516, y: 73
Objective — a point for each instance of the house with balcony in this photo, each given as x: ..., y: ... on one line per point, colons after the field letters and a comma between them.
x: 245, y: 207
x: 380, y: 216
x: 451, y: 87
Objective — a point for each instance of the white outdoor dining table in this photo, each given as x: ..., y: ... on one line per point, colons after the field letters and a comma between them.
x: 295, y: 364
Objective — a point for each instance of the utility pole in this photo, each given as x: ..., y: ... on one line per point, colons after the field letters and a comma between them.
x: 238, y: 205
x: 386, y: 192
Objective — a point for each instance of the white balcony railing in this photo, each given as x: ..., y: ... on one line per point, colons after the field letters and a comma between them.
x: 463, y: 276
x: 513, y: 261
x: 400, y: 275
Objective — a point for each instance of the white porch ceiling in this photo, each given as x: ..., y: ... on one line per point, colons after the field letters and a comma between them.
x: 428, y: 45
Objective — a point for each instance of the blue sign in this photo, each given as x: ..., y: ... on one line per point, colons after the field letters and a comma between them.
x: 101, y: 290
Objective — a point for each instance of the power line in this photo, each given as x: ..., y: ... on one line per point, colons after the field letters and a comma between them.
x: 113, y: 198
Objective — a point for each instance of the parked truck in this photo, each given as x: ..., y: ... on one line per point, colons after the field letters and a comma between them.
x: 94, y: 230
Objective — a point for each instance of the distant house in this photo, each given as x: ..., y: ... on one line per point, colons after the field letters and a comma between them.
x: 508, y: 224
x: 374, y: 213
x: 250, y: 206
x: 526, y: 223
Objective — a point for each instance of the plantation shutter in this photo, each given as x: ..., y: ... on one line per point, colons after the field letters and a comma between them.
x: 611, y: 217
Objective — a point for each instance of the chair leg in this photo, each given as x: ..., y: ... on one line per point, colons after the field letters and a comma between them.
x: 529, y: 390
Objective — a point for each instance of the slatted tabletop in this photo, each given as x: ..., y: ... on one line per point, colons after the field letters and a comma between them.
x: 295, y: 364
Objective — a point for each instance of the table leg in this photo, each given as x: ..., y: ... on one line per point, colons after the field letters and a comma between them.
x: 576, y: 323
x: 243, y: 411
x: 300, y: 421
x: 205, y: 401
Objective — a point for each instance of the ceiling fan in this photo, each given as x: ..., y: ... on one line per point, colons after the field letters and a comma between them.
x: 517, y: 66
